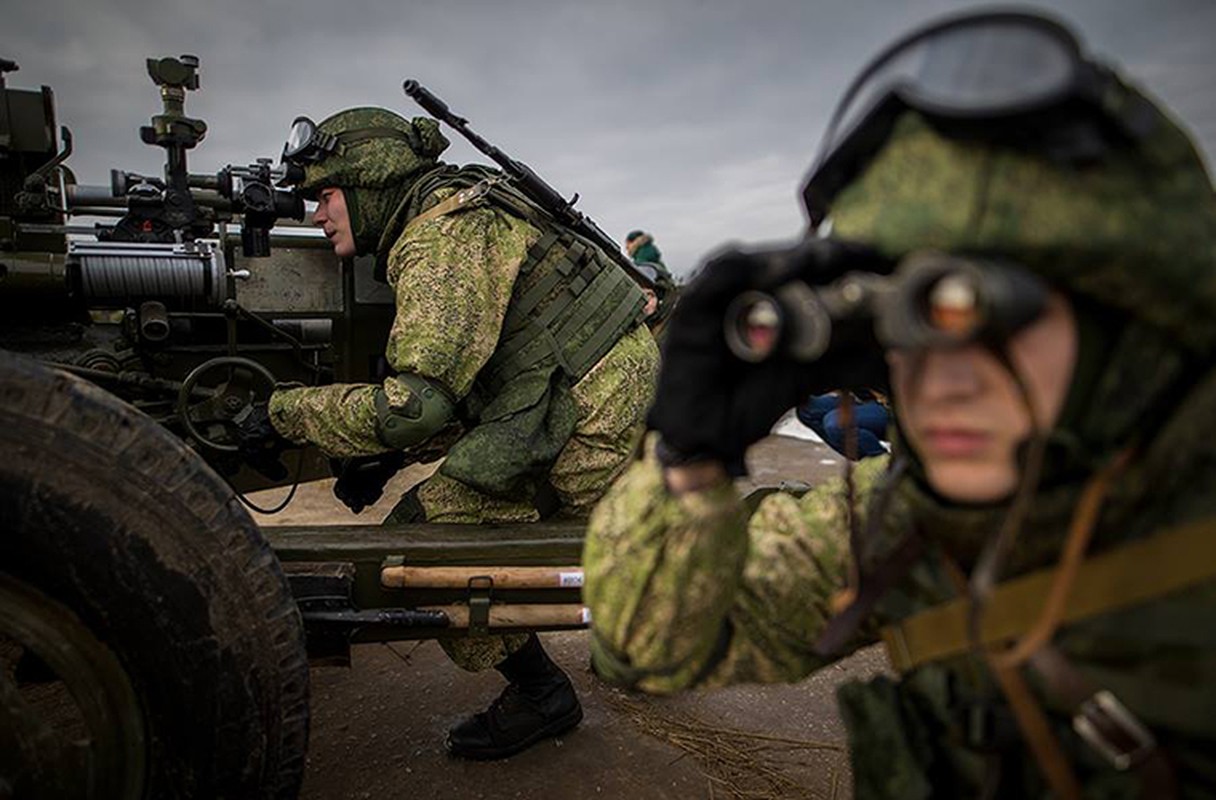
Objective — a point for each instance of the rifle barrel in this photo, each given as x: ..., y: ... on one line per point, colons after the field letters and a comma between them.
x: 527, y: 180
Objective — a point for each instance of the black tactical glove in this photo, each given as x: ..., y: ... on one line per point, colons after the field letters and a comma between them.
x: 260, y: 444
x: 361, y: 480
x: 711, y: 405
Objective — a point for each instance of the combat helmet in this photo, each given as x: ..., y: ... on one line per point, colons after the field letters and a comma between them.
x: 1051, y: 159
x: 372, y: 154
x: 992, y: 135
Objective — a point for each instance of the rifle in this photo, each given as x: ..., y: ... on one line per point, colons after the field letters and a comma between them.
x: 526, y: 179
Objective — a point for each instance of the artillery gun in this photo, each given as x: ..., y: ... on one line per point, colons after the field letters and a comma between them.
x: 154, y: 641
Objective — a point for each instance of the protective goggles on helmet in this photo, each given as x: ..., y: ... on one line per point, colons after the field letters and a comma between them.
x: 933, y: 299
x: 998, y: 75
x: 307, y: 144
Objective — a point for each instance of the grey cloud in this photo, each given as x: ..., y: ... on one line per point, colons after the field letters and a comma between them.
x: 694, y: 120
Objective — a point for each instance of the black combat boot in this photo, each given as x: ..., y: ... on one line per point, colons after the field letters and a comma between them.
x: 539, y: 702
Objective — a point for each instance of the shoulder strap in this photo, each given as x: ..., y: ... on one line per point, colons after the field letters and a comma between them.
x: 475, y: 185
x: 1180, y: 557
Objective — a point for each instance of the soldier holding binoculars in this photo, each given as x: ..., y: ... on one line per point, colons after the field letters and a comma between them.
x: 1022, y: 247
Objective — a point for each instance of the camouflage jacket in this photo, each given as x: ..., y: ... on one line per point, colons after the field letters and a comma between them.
x: 453, y: 278
x: 687, y: 591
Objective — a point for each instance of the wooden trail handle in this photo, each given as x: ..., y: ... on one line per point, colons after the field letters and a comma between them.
x: 522, y: 615
x: 504, y: 577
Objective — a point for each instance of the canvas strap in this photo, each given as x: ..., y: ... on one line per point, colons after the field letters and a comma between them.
x: 1180, y: 557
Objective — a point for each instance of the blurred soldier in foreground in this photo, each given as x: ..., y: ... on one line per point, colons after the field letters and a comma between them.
x: 1031, y: 244
x: 516, y: 350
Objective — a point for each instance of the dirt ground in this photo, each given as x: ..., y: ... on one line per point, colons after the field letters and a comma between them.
x: 378, y: 727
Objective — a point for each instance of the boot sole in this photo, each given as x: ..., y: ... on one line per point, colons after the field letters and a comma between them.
x: 555, y: 728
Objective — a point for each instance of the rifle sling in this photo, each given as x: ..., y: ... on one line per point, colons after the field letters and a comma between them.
x: 1125, y: 576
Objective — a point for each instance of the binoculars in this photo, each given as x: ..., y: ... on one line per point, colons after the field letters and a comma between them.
x: 932, y: 299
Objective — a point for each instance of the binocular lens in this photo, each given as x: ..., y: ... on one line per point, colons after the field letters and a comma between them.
x: 753, y: 326
x: 953, y: 306
x: 932, y: 300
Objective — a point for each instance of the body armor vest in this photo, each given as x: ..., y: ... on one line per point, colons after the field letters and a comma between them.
x: 571, y: 303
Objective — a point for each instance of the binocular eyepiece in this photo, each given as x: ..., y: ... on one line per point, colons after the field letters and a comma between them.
x: 931, y: 300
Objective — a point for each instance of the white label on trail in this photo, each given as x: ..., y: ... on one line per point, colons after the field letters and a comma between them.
x: 570, y: 578
x: 585, y: 615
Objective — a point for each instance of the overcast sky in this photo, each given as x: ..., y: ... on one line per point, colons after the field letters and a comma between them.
x: 693, y: 120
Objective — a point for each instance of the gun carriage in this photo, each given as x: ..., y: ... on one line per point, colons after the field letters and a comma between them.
x: 132, y: 584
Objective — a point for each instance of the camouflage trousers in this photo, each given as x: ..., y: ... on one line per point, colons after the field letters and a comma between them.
x: 612, y: 403
x: 442, y: 499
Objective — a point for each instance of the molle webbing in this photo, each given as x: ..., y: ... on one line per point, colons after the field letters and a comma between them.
x: 500, y: 193
x: 1125, y: 576
x: 571, y: 304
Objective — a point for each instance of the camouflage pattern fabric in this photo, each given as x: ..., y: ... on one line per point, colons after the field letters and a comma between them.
x: 612, y: 400
x: 665, y: 576
x: 610, y: 416
x: 452, y: 278
x: 376, y: 173
x: 684, y: 592
x: 375, y: 163
x: 479, y: 653
x: 1093, y: 229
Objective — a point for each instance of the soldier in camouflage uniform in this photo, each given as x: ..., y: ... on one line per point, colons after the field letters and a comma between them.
x: 1106, y: 689
x: 516, y: 350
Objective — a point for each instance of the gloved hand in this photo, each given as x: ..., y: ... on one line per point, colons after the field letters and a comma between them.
x: 711, y: 405
x: 361, y: 480
x: 260, y: 444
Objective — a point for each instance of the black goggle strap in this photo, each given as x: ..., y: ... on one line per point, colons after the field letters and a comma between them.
x: 322, y: 145
x: 901, y: 46
x: 870, y: 103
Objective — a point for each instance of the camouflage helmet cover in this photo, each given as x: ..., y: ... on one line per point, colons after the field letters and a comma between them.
x: 1134, y: 231
x: 378, y: 162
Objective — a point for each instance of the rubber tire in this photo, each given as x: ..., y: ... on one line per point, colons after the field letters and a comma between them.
x: 112, y: 516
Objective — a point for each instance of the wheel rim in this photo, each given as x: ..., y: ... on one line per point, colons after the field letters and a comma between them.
x: 70, y: 722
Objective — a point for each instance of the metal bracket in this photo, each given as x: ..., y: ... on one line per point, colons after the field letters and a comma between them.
x: 1114, y: 732
x: 481, y: 595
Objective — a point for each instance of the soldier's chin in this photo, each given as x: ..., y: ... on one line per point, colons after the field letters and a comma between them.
x: 343, y: 249
x: 971, y: 483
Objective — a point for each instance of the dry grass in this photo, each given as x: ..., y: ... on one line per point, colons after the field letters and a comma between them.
x: 738, y: 764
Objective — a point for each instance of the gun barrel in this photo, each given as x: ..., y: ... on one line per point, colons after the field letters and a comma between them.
x: 79, y: 194
x: 84, y: 199
x: 429, y: 102
x: 211, y: 182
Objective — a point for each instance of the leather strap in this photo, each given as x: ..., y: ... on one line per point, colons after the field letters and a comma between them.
x: 872, y: 585
x: 1106, y: 725
x: 1036, y: 731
